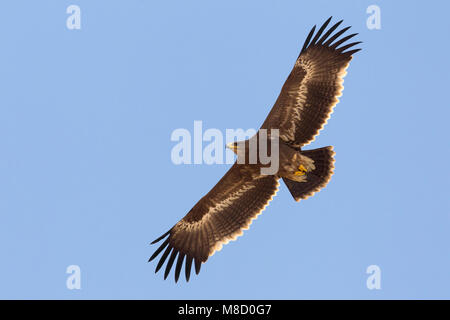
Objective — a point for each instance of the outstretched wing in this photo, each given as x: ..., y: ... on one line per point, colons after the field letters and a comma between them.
x: 313, y: 86
x: 220, y: 216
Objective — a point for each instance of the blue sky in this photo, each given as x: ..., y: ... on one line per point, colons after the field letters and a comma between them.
x: 86, y: 176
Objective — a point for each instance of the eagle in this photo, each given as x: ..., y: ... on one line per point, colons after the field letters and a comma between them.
x: 302, y: 108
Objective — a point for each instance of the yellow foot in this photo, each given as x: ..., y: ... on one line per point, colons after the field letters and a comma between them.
x: 302, y: 171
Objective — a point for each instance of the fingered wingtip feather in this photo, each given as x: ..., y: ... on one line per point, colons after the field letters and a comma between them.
x: 188, y: 267
x: 198, y: 265
x: 156, y: 253
x: 163, y: 258
x: 319, y: 33
x: 329, y: 32
x: 348, y: 46
x: 336, y: 35
x: 308, y: 38
x: 341, y: 41
x: 351, y: 52
x: 160, y: 238
x: 170, y: 263
x: 178, y: 266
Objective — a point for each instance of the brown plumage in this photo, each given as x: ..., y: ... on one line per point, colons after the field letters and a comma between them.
x: 301, y: 110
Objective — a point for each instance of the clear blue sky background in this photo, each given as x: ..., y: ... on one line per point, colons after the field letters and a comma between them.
x: 85, y: 171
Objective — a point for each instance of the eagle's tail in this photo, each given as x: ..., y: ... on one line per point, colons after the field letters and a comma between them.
x: 315, y: 179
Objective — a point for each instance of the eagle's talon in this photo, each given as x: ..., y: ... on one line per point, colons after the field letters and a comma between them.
x: 302, y: 171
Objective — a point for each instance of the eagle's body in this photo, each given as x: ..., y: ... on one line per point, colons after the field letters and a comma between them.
x: 290, y: 158
x: 302, y: 108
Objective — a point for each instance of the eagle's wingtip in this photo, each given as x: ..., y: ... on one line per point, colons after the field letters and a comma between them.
x: 160, y: 238
x: 198, y: 265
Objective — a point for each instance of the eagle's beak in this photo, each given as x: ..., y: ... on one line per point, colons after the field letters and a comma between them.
x: 232, y: 146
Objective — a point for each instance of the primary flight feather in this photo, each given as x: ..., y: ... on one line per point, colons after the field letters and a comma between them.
x: 301, y: 110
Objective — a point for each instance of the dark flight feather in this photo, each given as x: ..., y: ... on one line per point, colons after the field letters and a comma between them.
x: 170, y: 263
x: 330, y: 31
x: 163, y: 258
x: 341, y: 41
x: 352, y: 52
x: 165, y: 243
x: 198, y: 265
x: 188, y: 267
x: 179, y: 265
x: 343, y: 48
x: 160, y: 238
x: 319, y: 33
x: 336, y: 35
x: 306, y: 43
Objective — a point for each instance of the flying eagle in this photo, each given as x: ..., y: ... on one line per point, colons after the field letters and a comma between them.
x: 303, y: 107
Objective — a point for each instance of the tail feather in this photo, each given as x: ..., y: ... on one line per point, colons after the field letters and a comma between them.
x: 315, y: 179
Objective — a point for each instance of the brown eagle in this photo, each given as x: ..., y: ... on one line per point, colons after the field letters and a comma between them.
x: 301, y: 110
